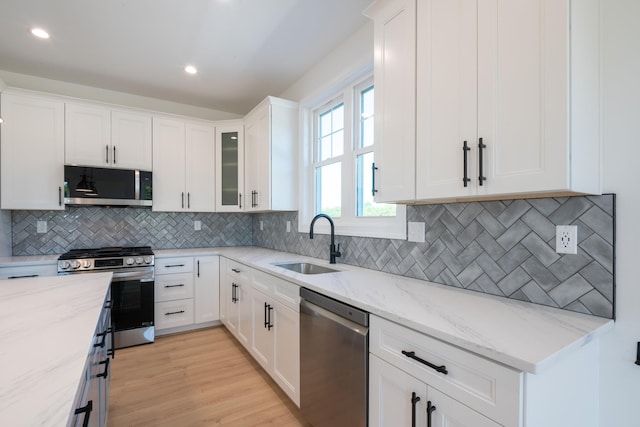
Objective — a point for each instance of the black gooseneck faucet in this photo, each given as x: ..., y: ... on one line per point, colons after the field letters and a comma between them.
x: 333, y: 251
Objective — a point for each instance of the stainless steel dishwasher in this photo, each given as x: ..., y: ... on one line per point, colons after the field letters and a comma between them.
x: 334, y: 361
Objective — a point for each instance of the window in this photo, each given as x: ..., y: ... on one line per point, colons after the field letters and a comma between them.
x: 339, y: 174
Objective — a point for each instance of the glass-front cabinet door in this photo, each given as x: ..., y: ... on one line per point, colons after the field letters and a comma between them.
x: 230, y: 168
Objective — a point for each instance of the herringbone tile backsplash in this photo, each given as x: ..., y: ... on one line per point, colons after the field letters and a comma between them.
x: 504, y: 248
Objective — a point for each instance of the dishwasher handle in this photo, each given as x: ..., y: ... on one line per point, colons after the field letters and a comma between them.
x: 309, y: 308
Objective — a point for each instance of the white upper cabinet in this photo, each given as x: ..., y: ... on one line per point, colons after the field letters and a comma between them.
x: 517, y: 84
x: 183, y: 166
x: 271, y: 131
x: 98, y: 136
x: 32, y: 152
x: 395, y: 109
x: 230, y: 195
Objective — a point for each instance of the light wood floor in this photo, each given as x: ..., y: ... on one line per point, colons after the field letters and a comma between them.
x: 200, y: 378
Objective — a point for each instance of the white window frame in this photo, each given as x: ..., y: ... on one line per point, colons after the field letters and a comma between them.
x: 348, y: 224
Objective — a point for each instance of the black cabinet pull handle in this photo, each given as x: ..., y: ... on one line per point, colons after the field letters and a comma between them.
x: 412, y: 355
x: 239, y: 200
x: 198, y: 268
x: 174, y: 312
x: 106, y: 154
x: 104, y: 373
x: 465, y: 150
x: 103, y: 335
x: 481, y: 147
x: 414, y: 399
x: 374, y: 168
x: 266, y: 322
x: 108, y: 304
x: 22, y: 277
x: 59, y: 196
x: 174, y: 286
x: 174, y: 265
x: 234, y: 293
x: 235, y: 270
x: 188, y: 200
x: 114, y: 154
x: 86, y: 410
x: 269, y: 324
x: 430, y: 409
x: 112, y: 351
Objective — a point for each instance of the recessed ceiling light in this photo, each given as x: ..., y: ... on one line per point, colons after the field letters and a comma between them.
x: 190, y: 69
x: 40, y: 33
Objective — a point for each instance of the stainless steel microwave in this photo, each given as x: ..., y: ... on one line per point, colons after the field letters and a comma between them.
x: 107, y: 186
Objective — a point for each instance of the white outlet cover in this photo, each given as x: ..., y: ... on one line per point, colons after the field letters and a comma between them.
x: 415, y: 232
x: 261, y: 225
x: 41, y: 227
x: 197, y: 225
x: 567, y: 239
x: 288, y: 226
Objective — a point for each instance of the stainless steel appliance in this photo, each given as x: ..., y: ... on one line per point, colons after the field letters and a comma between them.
x: 85, y: 185
x: 132, y: 287
x: 334, y: 350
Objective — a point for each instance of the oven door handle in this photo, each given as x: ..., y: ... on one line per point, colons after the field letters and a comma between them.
x: 143, y: 276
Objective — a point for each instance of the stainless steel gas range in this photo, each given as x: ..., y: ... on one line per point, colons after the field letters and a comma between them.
x: 132, y: 287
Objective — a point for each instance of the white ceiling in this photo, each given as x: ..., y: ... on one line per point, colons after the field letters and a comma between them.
x: 244, y: 49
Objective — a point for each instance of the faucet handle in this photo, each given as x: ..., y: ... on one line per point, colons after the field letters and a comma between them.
x: 337, y: 252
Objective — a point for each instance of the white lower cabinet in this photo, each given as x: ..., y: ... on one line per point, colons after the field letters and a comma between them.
x: 262, y: 312
x: 186, y: 292
x: 20, y: 271
x: 466, y: 390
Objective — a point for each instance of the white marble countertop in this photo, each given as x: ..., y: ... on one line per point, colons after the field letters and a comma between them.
x: 46, y: 330
x: 522, y: 335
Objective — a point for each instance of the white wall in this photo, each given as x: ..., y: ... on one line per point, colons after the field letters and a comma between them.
x: 620, y: 377
x: 73, y: 90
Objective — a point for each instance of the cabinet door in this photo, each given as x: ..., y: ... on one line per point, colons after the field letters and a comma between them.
x: 131, y: 140
x: 395, y: 94
x: 391, y: 394
x: 446, y: 99
x: 207, y: 289
x: 523, y: 71
x: 286, y: 356
x: 230, y: 195
x: 245, y: 311
x: 87, y: 135
x: 257, y: 140
x: 262, y: 337
x: 32, y: 153
x: 168, y: 165
x: 449, y: 412
x: 200, y: 168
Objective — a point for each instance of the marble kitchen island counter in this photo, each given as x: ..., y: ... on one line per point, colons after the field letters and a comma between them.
x: 522, y: 335
x: 47, y: 326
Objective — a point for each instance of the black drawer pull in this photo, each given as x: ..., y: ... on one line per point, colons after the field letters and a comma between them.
x: 412, y: 355
x: 86, y: 410
x: 108, y: 304
x: 105, y: 373
x: 174, y: 286
x: 103, y: 335
x: 174, y: 265
x: 174, y: 312
x: 235, y: 270
x: 22, y: 277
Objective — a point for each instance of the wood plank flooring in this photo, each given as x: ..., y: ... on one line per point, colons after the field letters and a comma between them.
x: 200, y: 378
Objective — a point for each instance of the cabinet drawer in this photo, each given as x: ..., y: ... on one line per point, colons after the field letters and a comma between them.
x: 28, y: 271
x: 171, y: 314
x: 488, y: 387
x: 285, y: 292
x: 174, y: 265
x: 173, y: 286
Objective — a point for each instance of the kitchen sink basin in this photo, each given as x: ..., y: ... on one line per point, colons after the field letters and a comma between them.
x: 306, y: 268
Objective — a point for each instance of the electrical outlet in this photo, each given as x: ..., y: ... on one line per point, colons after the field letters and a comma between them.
x: 197, y: 225
x: 567, y: 239
x: 261, y: 225
x: 288, y: 226
x: 41, y: 227
x: 415, y: 232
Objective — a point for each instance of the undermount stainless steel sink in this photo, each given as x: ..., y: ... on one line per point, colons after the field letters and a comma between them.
x: 306, y: 268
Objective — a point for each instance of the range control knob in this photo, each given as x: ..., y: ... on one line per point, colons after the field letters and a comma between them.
x: 147, y: 260
x: 129, y: 261
x: 139, y: 260
x: 86, y: 264
x: 75, y: 264
x: 64, y: 265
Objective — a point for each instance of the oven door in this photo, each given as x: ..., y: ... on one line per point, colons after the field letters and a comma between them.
x: 133, y: 307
